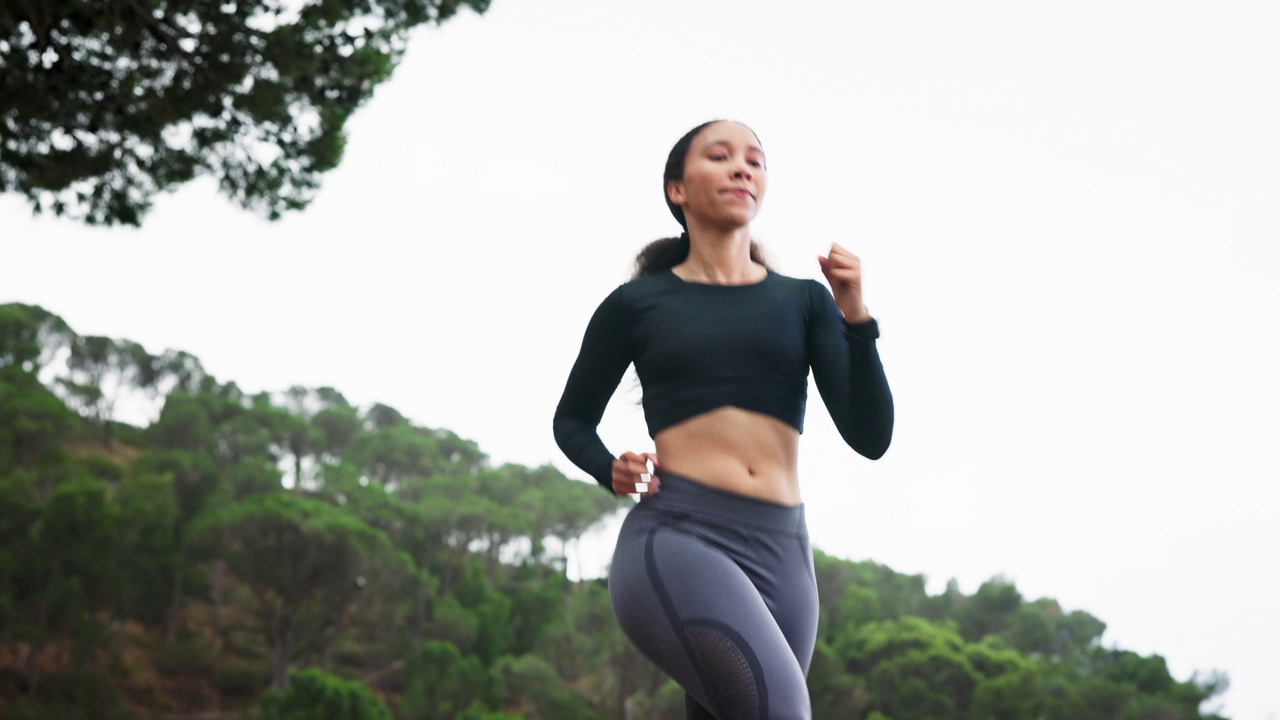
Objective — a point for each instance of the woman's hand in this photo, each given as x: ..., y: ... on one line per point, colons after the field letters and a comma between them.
x: 843, y: 271
x: 628, y: 470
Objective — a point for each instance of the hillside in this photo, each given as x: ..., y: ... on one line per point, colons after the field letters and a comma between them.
x: 259, y: 555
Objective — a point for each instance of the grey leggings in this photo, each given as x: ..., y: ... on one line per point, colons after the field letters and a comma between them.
x: 718, y: 590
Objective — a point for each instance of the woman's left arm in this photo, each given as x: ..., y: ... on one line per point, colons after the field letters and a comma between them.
x: 842, y: 352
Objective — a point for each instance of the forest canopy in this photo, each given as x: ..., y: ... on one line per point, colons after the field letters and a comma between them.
x: 105, y: 103
x: 287, y: 555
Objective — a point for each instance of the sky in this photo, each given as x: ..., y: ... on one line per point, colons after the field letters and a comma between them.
x: 1066, y: 214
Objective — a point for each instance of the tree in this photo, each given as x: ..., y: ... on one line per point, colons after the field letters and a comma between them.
x: 290, y: 430
x: 147, y: 547
x: 337, y: 424
x: 34, y: 423
x: 589, y: 646
x: 834, y: 692
x: 441, y: 682
x: 531, y: 684
x: 492, y: 611
x: 108, y: 103
x: 990, y: 610
x: 854, y: 592
x: 316, y: 695
x: 30, y: 336
x: 917, y: 669
x: 293, y: 553
x: 556, y: 507
x: 20, y: 514
x: 100, y: 370
x: 69, y: 575
x: 193, y: 481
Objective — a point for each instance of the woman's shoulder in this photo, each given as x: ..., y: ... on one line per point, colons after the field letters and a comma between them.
x: 800, y: 286
x: 627, y: 295
x: 642, y: 285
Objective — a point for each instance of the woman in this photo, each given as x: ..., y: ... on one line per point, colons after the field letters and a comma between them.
x: 712, y: 577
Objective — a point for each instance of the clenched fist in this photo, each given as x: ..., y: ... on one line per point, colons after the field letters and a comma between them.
x: 627, y: 471
x: 843, y: 271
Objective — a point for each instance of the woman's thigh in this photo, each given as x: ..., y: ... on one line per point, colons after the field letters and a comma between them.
x: 780, y: 565
x: 694, y: 612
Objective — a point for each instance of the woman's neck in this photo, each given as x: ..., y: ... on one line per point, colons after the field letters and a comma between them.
x: 721, y: 257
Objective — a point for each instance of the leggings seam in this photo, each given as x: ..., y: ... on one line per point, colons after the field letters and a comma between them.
x: 669, y: 609
x: 806, y: 557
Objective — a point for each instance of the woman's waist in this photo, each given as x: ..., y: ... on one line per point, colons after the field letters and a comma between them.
x: 682, y: 496
x: 735, y: 450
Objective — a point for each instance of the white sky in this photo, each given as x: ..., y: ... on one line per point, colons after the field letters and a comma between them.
x: 1067, y: 215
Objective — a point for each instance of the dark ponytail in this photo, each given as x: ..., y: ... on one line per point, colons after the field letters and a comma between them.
x: 662, y: 255
x: 666, y: 253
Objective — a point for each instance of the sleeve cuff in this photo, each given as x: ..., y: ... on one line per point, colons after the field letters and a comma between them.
x: 866, y: 331
x: 604, y: 477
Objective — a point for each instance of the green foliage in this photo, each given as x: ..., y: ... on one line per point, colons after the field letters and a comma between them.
x: 393, y: 455
x: 833, y: 692
x: 582, y: 639
x: 853, y: 593
x: 20, y: 511
x: 667, y: 702
x: 30, y: 336
x: 67, y: 577
x: 295, y: 554
x: 989, y: 610
x: 1148, y: 675
x: 917, y: 669
x: 452, y: 623
x: 532, y: 684
x: 75, y: 540
x: 34, y: 424
x: 179, y: 561
x: 99, y: 369
x: 1067, y: 697
x: 477, y: 712
x: 537, y: 600
x: 337, y: 424
x: 491, y: 609
x: 19, y: 338
x: 71, y: 695
x: 147, y: 547
x: 313, y: 694
x: 442, y: 682
x: 107, y: 105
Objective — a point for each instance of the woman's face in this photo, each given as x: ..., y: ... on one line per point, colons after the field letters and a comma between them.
x: 724, y: 177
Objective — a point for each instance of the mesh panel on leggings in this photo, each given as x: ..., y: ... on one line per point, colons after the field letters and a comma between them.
x: 732, y: 684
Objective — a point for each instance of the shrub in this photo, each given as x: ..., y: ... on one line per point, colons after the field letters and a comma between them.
x: 313, y: 694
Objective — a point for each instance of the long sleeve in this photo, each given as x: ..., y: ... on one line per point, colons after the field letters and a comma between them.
x: 603, y: 358
x: 849, y: 375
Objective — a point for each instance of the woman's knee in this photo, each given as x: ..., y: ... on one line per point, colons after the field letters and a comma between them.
x: 746, y: 682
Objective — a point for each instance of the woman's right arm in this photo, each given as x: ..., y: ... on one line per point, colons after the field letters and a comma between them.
x: 602, y: 359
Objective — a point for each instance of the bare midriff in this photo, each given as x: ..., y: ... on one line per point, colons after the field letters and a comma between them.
x: 735, y: 450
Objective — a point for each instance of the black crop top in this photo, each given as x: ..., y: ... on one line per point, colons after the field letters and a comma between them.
x: 698, y: 347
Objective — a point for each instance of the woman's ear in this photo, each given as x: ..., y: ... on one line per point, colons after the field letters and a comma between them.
x: 675, y: 191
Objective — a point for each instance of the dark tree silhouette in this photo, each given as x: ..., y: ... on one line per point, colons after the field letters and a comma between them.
x: 104, y: 103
